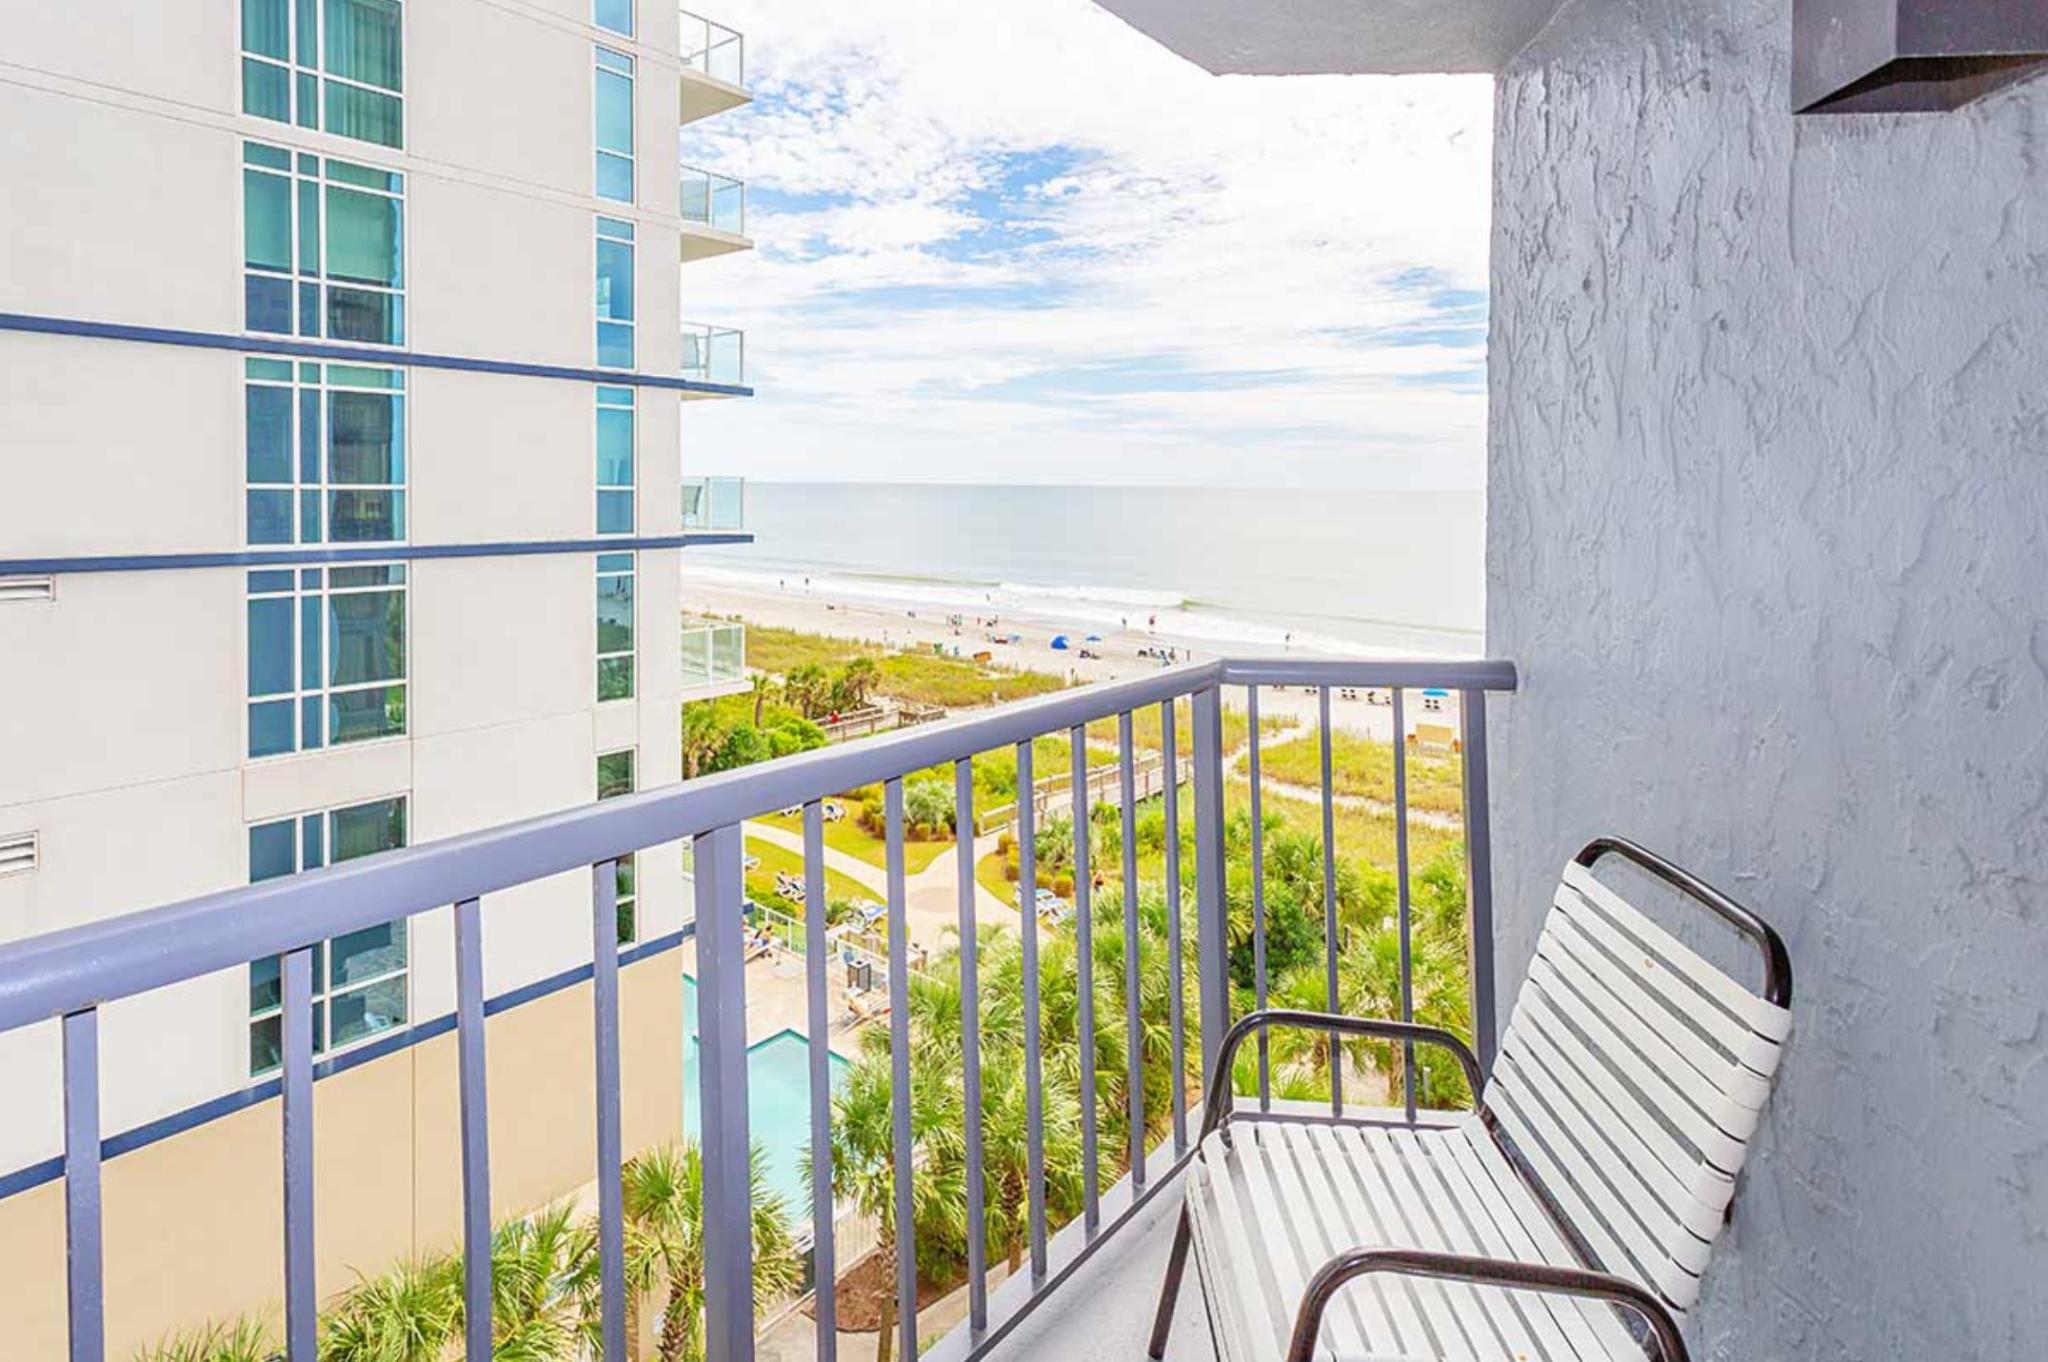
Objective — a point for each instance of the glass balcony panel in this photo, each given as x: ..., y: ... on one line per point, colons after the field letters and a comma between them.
x: 714, y: 49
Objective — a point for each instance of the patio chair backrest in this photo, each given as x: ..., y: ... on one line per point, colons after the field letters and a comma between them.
x: 1630, y: 1079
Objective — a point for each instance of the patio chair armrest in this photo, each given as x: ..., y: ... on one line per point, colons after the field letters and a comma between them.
x: 1217, y: 1105
x: 1777, y: 960
x: 1515, y: 1276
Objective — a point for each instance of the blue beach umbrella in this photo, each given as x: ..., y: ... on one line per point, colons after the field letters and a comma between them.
x: 1436, y: 693
x: 1092, y: 638
x: 1059, y: 641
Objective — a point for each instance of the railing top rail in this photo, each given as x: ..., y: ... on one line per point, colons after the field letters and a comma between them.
x: 59, y: 972
x: 1477, y: 673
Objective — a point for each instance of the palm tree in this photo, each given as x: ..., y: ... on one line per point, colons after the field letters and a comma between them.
x: 664, y: 1203
x: 703, y: 735
x: 412, y: 1313
x: 863, y: 1162
x: 761, y: 688
x: 544, y: 1286
x: 857, y: 681
x: 246, y: 1339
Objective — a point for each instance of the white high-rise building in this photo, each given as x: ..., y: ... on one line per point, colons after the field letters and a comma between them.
x: 342, y: 493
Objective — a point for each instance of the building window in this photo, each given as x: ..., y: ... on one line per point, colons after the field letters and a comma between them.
x: 326, y: 656
x: 336, y: 65
x: 614, y: 626
x: 323, y: 246
x: 614, y: 125
x: 358, y: 979
x: 615, y: 778
x: 616, y: 15
x: 614, y: 460
x: 324, y: 446
x: 614, y: 293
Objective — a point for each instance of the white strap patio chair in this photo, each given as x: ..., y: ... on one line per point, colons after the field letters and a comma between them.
x: 1569, y: 1216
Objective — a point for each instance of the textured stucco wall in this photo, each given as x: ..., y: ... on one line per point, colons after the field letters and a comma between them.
x: 1769, y: 538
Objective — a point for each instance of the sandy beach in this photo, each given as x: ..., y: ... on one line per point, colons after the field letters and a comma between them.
x: 1120, y: 652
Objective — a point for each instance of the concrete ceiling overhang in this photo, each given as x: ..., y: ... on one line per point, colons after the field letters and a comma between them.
x: 1320, y: 37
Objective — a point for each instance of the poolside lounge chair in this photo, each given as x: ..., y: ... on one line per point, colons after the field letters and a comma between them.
x: 1582, y: 1196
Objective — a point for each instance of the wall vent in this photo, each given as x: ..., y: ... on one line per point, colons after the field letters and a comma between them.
x: 27, y: 589
x: 18, y: 853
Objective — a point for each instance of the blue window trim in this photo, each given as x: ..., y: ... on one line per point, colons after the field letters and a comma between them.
x: 162, y: 562
x: 404, y: 1038
x: 354, y: 354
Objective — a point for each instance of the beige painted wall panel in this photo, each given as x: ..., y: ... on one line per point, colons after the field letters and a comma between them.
x: 500, y: 274
x: 187, y: 53
x: 498, y: 458
x: 492, y: 121
x: 497, y: 642
x: 149, y: 668
x: 92, y: 237
x: 329, y: 778
x: 118, y: 448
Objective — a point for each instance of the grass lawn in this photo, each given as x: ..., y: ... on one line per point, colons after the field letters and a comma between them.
x: 914, y: 677
x: 988, y: 872
x: 1360, y: 766
x: 849, y: 837
x: 1146, y: 730
x: 760, y: 880
x: 1362, y: 834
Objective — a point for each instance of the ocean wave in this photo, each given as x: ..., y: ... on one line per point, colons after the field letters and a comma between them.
x: 1105, y: 595
x: 1167, y: 615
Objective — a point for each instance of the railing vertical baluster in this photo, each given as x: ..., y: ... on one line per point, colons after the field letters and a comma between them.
x: 1478, y: 872
x: 476, y: 1148
x: 1084, y: 978
x: 611, y: 1211
x: 301, y: 1295
x: 1251, y: 701
x: 899, y: 1070
x: 1134, y: 1065
x: 1034, y: 1077
x: 722, y: 1078
x: 1176, y: 1006
x: 1336, y: 1050
x: 1401, y: 875
x: 1212, y: 923
x: 817, y: 967
x: 970, y: 1044
x: 83, y: 1265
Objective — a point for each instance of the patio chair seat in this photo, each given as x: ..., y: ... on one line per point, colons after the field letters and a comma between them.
x: 1597, y: 1170
x: 1271, y: 1201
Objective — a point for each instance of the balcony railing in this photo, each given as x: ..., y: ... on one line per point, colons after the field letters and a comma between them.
x: 714, y: 655
x: 714, y: 354
x: 1198, y: 939
x: 713, y: 49
x: 715, y: 504
x: 715, y: 201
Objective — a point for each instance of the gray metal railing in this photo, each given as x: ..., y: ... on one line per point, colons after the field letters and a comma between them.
x: 70, y: 974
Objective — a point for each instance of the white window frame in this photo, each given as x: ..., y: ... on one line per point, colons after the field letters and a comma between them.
x: 322, y: 383
x: 300, y: 592
x: 293, y: 68
x: 323, y: 995
x: 318, y: 176
x: 631, y: 74
x: 631, y: 406
x: 632, y: 573
x: 628, y: 867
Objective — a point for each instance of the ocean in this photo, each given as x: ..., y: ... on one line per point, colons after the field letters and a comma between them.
x: 1344, y: 572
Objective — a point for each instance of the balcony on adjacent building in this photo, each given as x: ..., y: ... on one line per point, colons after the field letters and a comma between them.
x: 715, y: 505
x: 714, y: 68
x: 714, y: 211
x: 714, y: 659
x: 714, y: 354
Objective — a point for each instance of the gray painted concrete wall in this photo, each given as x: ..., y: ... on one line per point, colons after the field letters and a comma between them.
x: 1769, y: 481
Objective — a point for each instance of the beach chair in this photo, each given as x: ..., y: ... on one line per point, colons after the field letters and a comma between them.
x: 1571, y: 1211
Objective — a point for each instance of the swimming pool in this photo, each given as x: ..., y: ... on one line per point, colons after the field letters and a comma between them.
x: 778, y: 1100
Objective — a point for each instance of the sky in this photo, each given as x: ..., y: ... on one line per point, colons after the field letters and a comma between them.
x: 1018, y: 241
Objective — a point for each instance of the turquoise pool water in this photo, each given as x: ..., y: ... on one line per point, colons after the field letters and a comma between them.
x: 778, y: 1100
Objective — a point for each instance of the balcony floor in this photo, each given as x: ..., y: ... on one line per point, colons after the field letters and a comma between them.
x: 1104, y: 1313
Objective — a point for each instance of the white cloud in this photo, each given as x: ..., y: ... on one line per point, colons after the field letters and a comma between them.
x: 1202, y: 280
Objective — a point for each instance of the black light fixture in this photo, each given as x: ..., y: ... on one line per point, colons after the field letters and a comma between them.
x: 1911, y: 56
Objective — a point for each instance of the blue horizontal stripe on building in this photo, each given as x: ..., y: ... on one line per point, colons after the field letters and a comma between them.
x: 390, y: 553
x: 354, y: 354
